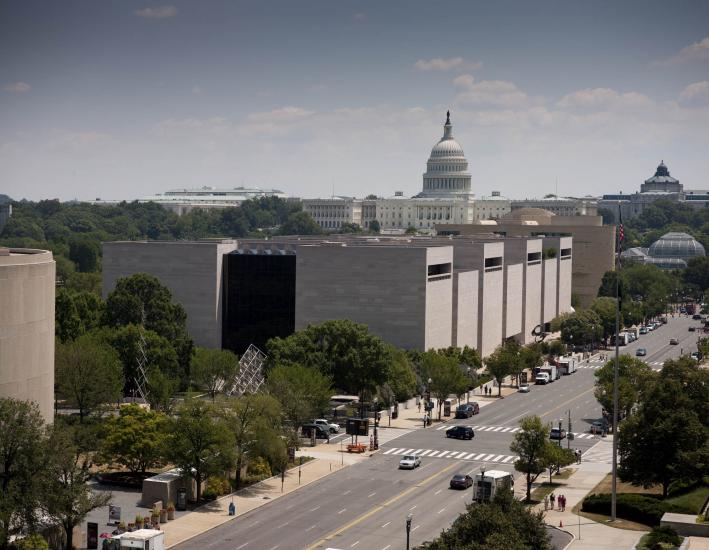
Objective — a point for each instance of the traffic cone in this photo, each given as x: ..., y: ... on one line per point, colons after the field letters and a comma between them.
x: 561, y: 523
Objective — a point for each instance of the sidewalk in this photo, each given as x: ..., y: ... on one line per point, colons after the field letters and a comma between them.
x: 587, y: 533
x: 216, y: 513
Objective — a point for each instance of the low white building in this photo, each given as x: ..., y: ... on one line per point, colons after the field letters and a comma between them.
x: 182, y: 201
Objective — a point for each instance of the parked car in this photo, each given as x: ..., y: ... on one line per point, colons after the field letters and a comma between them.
x: 334, y: 428
x: 409, y: 462
x: 320, y: 431
x: 674, y: 341
x: 697, y: 317
x: 467, y: 410
x: 523, y: 388
x: 691, y: 329
x: 461, y: 481
x: 641, y: 352
x: 598, y: 426
x: 460, y: 432
x: 643, y: 330
x: 695, y: 355
x: 556, y: 433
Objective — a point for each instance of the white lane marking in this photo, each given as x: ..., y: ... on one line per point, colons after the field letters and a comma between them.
x: 441, y: 428
x: 414, y: 506
x: 507, y: 459
x: 434, y: 453
x: 417, y: 451
x: 441, y: 510
x: 479, y: 456
x: 390, y: 451
x: 497, y: 429
x: 497, y: 458
x: 426, y: 452
x: 514, y: 430
x: 506, y: 429
x: 240, y: 547
x: 346, y: 492
x: 371, y: 495
x: 387, y: 523
x: 313, y: 509
x: 354, y: 544
x: 408, y: 452
x: 311, y: 527
x: 387, y: 547
x: 468, y: 457
x: 414, y: 529
x: 283, y: 525
x: 439, y: 490
x: 399, y: 452
x: 343, y: 510
x: 443, y: 453
x: 475, y: 427
x: 488, y: 457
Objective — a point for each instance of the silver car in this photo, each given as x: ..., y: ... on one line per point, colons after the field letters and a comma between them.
x: 409, y: 462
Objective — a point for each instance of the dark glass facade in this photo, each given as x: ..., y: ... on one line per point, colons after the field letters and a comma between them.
x: 259, y: 299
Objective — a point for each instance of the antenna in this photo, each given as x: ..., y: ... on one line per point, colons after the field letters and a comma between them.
x: 141, y: 378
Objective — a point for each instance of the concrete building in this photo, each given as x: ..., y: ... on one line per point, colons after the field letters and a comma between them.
x: 593, y: 242
x: 27, y: 279
x: 192, y: 271
x: 560, y: 206
x: 414, y: 292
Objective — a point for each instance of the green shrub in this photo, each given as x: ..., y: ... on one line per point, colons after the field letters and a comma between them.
x: 662, y: 535
x: 259, y: 467
x: 217, y: 486
x: 644, y: 509
x: 32, y: 542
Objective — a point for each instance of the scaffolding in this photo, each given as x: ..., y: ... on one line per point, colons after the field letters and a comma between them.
x: 250, y: 378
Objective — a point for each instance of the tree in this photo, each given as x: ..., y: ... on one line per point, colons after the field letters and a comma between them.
x: 303, y: 392
x: 21, y: 457
x: 446, y: 376
x: 135, y: 438
x: 67, y: 498
x: 505, y: 360
x: 84, y: 252
x: 211, y: 368
x: 375, y: 226
x: 581, y: 328
x: 67, y: 324
x: 531, y: 444
x: 697, y: 272
x: 254, y: 421
x: 199, y: 442
x: 300, y: 223
x: 161, y: 389
x: 503, y: 524
x: 88, y: 374
x: 633, y: 376
x: 142, y: 300
x: 557, y: 457
x: 530, y: 357
x: 402, y: 378
x: 350, y: 228
x: 666, y: 440
x: 355, y: 359
x: 605, y: 308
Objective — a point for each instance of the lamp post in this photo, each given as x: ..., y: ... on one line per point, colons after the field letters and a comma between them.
x: 561, y: 421
x: 408, y: 529
x: 467, y: 392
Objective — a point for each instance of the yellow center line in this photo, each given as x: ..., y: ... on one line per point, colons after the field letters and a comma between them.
x: 376, y: 509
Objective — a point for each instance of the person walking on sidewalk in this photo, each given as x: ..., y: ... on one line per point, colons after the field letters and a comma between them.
x: 552, y: 498
x: 546, y: 502
x: 563, y: 503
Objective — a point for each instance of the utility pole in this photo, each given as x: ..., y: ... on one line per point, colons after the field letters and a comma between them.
x: 616, y: 364
x: 568, y: 432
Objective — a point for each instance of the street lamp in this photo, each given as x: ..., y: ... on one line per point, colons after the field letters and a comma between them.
x: 561, y: 421
x: 467, y: 392
x: 408, y: 529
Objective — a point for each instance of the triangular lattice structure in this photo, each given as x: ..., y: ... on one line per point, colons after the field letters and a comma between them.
x: 141, y: 377
x: 250, y: 377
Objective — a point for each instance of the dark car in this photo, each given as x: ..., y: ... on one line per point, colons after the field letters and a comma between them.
x: 461, y: 481
x: 641, y: 352
x: 320, y: 432
x: 460, y: 432
x: 691, y: 329
x: 697, y: 317
x: 467, y: 410
x: 674, y: 341
x: 556, y: 433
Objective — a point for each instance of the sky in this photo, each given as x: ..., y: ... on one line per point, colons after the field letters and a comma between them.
x: 126, y: 98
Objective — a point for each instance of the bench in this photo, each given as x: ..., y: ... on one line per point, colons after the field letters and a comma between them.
x: 356, y: 448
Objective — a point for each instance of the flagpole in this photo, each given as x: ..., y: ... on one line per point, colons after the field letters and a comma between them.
x: 614, y: 482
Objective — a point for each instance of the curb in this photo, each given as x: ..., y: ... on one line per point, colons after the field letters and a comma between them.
x: 573, y: 538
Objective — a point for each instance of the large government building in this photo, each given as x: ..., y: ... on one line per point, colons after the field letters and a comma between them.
x: 414, y: 292
x: 27, y: 327
x: 446, y: 197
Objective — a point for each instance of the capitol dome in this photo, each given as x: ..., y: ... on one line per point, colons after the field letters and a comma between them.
x: 447, y: 173
x: 676, y: 245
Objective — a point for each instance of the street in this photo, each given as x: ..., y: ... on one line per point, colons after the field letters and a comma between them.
x: 365, y: 505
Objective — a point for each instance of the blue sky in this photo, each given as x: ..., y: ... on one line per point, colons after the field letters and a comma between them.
x: 119, y: 99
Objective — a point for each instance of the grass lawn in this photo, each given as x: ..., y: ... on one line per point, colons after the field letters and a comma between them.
x: 693, y: 500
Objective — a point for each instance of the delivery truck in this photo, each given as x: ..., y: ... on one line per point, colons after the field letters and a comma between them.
x: 567, y: 365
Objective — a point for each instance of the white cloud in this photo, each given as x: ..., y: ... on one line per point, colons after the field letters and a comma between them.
x: 500, y: 93
x: 699, y: 51
x: 160, y: 12
x: 284, y: 114
x: 695, y: 91
x: 447, y: 64
x: 603, y: 98
x: 17, y: 87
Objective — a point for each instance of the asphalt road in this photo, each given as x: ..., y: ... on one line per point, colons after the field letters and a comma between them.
x: 365, y: 506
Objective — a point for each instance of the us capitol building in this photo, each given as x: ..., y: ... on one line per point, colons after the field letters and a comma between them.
x: 446, y: 197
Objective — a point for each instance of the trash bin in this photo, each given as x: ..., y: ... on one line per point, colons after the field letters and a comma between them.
x: 447, y: 407
x: 395, y: 414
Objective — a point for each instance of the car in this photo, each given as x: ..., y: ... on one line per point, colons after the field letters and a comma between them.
x: 467, y: 410
x: 409, y: 462
x: 557, y: 433
x: 641, y: 352
x: 598, y: 426
x: 643, y: 330
x: 683, y: 310
x: 320, y: 431
x: 692, y: 329
x: 523, y: 388
x: 461, y: 481
x: 695, y: 355
x: 674, y: 341
x: 334, y: 428
x: 697, y: 317
x: 460, y: 432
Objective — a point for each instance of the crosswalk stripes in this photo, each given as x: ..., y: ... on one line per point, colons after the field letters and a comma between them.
x: 457, y: 455
x: 511, y: 430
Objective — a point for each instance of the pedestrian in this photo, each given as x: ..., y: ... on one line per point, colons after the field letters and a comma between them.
x: 552, y: 498
x: 563, y: 503
x: 546, y: 503
x: 419, y: 404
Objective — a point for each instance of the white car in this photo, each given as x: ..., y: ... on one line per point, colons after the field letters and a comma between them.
x: 523, y: 388
x: 334, y: 428
x: 409, y: 462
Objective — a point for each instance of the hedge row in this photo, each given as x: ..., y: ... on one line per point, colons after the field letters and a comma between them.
x: 634, y: 507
